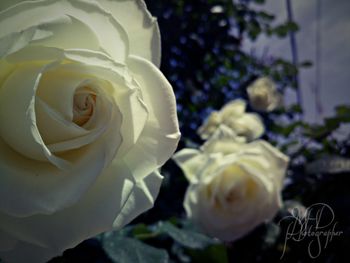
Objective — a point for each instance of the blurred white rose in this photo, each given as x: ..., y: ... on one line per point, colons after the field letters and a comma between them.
x: 86, y: 120
x: 233, y: 186
x: 233, y: 115
x: 263, y: 95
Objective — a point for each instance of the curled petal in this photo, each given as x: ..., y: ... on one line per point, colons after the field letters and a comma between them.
x: 248, y: 125
x: 84, y: 24
x: 278, y: 161
x: 190, y: 161
x: 141, y: 27
x: 233, y: 109
x: 30, y: 187
x: 123, y: 90
x: 18, y: 121
x: 141, y: 199
x: 160, y: 136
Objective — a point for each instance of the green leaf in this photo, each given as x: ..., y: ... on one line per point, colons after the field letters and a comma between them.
x: 316, y: 131
x: 319, y: 132
x: 253, y: 29
x: 343, y: 109
x: 128, y: 250
x: 187, y: 238
x: 292, y: 26
x: 343, y: 113
x: 213, y: 254
x: 295, y: 108
x: 266, y: 16
x: 284, y: 29
x: 332, y: 123
x: 141, y: 230
x: 287, y: 129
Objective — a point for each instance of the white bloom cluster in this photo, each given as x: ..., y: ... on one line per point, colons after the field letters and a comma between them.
x: 235, y: 185
x: 233, y: 115
x: 263, y: 95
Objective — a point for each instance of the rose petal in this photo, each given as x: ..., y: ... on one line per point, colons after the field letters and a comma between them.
x: 18, y: 122
x: 160, y: 136
x: 191, y: 202
x: 15, y: 41
x: 30, y: 187
x: 142, y: 198
x: 62, y: 135
x: 224, y: 140
x: 88, y: 15
x: 115, y: 193
x: 79, y: 141
x: 190, y: 161
x: 249, y: 125
x: 141, y: 27
x: 4, y: 4
x: 277, y: 159
x: 125, y: 92
x: 6, y: 69
x: 157, y: 94
x: 6, y: 242
x: 59, y: 129
x: 24, y: 251
x: 233, y: 109
x: 57, y: 88
x: 210, y: 125
x: 99, y: 206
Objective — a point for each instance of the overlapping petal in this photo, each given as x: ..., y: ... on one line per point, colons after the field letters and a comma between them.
x: 247, y: 125
x: 234, y: 186
x: 160, y: 135
x: 39, y: 187
x: 18, y: 121
x: 114, y: 195
x: 81, y: 145
x: 68, y: 24
x: 141, y: 27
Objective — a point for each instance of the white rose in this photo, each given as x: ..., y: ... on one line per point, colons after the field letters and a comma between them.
x: 86, y: 120
x: 233, y: 186
x: 233, y: 115
x: 263, y: 95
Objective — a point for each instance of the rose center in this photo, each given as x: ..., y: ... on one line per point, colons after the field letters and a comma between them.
x: 84, y: 102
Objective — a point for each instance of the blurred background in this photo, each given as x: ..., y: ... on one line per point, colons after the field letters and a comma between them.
x: 323, y: 38
x: 212, y: 50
